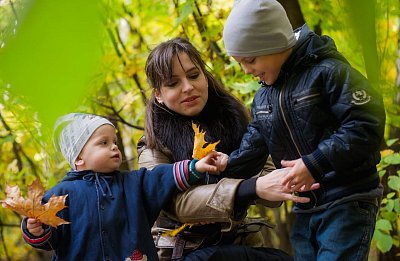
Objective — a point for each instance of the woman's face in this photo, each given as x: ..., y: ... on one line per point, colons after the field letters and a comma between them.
x: 186, y: 92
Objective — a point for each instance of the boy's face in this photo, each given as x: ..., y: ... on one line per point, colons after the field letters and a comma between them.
x: 100, y: 153
x: 265, y: 67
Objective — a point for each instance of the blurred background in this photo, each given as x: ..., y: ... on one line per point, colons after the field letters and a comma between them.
x: 89, y: 56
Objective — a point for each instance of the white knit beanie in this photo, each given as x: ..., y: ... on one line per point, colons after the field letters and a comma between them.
x: 72, y: 131
x: 257, y: 27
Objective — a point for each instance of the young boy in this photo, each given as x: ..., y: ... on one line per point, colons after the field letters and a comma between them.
x: 316, y: 114
x: 110, y: 213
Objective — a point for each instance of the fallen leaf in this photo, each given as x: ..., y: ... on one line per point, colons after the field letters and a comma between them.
x: 200, y: 149
x: 32, y: 206
x: 174, y: 232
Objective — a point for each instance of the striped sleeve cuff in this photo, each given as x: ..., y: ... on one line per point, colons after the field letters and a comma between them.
x: 181, y: 174
x: 32, y: 240
x: 185, y: 174
x: 317, y: 164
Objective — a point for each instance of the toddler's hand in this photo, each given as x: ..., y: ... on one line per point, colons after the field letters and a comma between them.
x: 213, y: 163
x: 34, y: 227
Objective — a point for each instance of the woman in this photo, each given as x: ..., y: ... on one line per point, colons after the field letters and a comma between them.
x: 184, y: 92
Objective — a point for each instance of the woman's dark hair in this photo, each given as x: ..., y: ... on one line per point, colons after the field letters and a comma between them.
x: 223, y: 117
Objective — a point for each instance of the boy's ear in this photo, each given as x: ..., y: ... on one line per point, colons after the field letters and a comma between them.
x: 79, y: 162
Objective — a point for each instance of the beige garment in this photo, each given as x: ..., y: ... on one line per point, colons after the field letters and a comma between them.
x: 211, y: 203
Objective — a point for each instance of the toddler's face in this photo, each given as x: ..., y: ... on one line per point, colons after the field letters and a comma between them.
x: 100, y: 153
x: 265, y: 67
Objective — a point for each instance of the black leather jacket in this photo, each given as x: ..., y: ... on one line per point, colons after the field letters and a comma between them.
x: 319, y: 109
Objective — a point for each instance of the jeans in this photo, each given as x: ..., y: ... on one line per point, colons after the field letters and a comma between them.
x: 341, y: 232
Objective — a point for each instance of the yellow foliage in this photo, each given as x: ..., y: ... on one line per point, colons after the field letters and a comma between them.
x: 201, y: 148
x: 32, y: 206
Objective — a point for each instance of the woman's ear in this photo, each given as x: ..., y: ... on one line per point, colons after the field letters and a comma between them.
x: 157, y: 94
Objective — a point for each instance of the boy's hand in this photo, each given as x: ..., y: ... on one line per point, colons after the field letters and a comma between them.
x: 299, y: 177
x: 222, y: 161
x: 34, y: 227
x: 213, y: 163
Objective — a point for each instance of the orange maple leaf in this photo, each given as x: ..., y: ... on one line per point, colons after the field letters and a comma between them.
x: 199, y: 148
x: 32, y: 206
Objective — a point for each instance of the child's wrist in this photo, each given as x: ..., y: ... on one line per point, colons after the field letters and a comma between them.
x: 194, y: 175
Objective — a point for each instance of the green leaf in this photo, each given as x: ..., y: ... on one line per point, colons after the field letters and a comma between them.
x: 390, y: 195
x: 7, y: 138
x: 397, y: 205
x: 53, y: 56
x: 384, y: 225
x: 186, y: 11
x: 392, y: 159
x: 390, y: 205
x: 391, y: 216
x: 394, y: 183
x: 383, y: 241
x: 382, y: 173
x: 391, y: 142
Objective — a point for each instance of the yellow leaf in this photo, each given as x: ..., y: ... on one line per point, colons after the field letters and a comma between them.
x: 173, y: 233
x: 386, y: 152
x: 32, y: 206
x: 199, y: 148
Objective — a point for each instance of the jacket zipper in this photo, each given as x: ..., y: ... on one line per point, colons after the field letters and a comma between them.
x: 285, y: 120
x: 290, y: 132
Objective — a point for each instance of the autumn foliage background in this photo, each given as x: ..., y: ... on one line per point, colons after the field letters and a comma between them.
x: 63, y: 56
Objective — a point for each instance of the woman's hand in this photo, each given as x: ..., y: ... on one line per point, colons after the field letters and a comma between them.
x: 270, y: 187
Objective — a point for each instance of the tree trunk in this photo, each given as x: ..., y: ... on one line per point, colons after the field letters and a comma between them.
x: 293, y: 11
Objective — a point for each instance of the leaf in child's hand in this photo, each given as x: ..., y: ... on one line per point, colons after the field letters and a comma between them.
x: 32, y: 206
x: 199, y: 150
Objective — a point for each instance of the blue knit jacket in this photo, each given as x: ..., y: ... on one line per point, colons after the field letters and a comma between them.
x: 111, y: 214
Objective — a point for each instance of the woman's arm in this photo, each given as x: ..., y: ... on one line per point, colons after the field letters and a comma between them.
x: 211, y: 202
x: 223, y: 202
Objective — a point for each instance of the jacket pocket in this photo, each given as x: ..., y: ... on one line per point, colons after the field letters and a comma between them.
x: 307, y: 100
x: 309, y: 109
x: 264, y: 112
x: 264, y: 118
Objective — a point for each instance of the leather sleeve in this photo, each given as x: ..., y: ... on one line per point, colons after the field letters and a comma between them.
x: 207, y: 203
x: 212, y: 202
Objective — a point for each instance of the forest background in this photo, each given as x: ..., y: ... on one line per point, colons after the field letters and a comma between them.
x: 63, y: 56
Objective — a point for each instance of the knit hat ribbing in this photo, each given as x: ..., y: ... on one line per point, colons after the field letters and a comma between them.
x: 257, y: 27
x: 72, y: 131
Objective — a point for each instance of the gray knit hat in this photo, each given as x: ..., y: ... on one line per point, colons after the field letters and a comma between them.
x: 72, y: 131
x: 257, y: 27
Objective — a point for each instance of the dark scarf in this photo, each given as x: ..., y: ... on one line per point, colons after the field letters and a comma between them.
x: 221, y: 118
